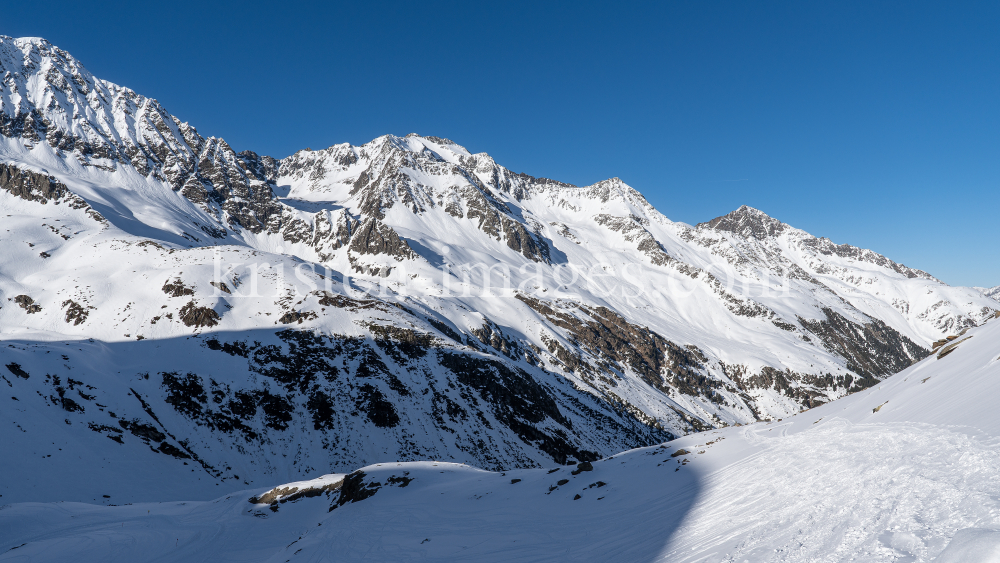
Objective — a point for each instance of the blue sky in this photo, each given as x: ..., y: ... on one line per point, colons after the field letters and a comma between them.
x: 871, y: 123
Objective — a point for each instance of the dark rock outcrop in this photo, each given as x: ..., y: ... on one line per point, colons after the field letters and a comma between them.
x: 28, y: 304
x: 872, y: 349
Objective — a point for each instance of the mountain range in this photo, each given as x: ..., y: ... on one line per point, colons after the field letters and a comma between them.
x: 180, y: 320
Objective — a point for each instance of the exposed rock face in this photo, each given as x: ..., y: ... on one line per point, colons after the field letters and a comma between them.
x: 176, y: 288
x: 872, y: 350
x: 342, y: 382
x: 32, y: 186
x: 608, y: 337
x: 28, y: 304
x: 601, y: 337
x: 76, y: 314
x: 195, y: 316
x: 373, y: 237
x: 324, y: 233
x: 632, y: 229
x: 748, y: 222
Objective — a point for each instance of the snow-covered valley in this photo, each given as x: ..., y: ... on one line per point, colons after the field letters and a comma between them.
x: 514, y: 362
x: 905, y: 471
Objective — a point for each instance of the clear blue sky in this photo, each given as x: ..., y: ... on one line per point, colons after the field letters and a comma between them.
x: 871, y: 123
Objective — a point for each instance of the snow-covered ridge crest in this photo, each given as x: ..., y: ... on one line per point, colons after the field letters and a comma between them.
x: 751, y: 223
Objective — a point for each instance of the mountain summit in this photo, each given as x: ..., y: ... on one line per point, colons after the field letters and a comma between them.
x: 747, y: 222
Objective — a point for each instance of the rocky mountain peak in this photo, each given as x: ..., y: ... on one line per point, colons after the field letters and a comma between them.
x: 614, y: 189
x: 51, y: 99
x: 754, y: 224
x: 747, y: 222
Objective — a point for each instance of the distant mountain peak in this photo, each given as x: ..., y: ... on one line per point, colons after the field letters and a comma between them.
x: 747, y: 222
x: 992, y: 292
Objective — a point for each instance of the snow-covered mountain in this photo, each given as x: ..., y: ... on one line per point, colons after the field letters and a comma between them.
x: 991, y: 292
x: 180, y: 319
x: 903, y: 471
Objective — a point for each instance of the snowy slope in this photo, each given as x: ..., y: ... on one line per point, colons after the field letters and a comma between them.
x: 905, y: 471
x: 218, y: 320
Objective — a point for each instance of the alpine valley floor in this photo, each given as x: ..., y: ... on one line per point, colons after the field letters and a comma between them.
x: 908, y: 470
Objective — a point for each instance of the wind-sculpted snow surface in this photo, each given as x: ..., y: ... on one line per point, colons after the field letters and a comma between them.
x: 169, y: 301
